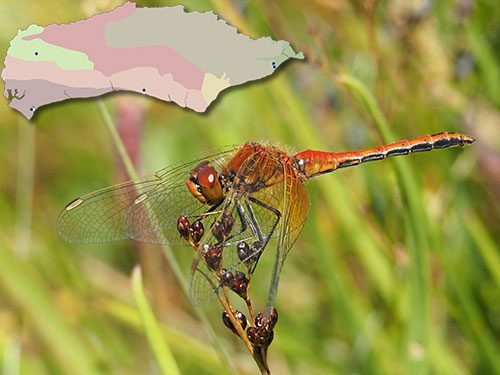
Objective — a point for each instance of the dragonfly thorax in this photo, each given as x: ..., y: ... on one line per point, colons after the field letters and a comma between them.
x: 256, y: 166
x: 206, y: 184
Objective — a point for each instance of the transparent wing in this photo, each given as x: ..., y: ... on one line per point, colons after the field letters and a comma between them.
x: 144, y: 210
x: 203, y: 284
x: 152, y: 217
x: 295, y: 209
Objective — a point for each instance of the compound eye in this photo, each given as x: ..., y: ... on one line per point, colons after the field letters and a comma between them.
x: 207, y: 176
x: 201, y: 165
x: 211, y: 188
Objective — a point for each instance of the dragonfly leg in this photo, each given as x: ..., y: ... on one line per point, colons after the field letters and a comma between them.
x: 243, y: 220
x: 246, y: 219
x: 255, y: 223
x: 215, y: 206
x: 211, y: 211
x: 252, y: 222
x: 270, y: 234
x: 274, y: 211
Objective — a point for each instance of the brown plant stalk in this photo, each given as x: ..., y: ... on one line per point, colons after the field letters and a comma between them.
x: 225, y: 301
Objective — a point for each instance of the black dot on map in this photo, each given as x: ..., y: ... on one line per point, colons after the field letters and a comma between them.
x: 36, y: 53
x: 32, y: 109
x: 143, y: 90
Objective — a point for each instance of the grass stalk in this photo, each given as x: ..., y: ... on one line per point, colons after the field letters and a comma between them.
x: 417, y: 231
x: 172, y: 261
x: 29, y: 294
x: 159, y: 346
x: 25, y: 185
x: 486, y: 246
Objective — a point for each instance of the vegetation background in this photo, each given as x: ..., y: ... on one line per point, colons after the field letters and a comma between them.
x: 398, y: 267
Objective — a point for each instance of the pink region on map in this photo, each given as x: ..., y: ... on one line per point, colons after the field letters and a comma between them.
x: 164, y: 87
x: 196, y: 101
x: 88, y: 36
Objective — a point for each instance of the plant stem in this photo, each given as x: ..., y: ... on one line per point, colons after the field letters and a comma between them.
x: 228, y: 307
x: 159, y: 346
x: 120, y: 147
x: 25, y: 185
x: 174, y: 265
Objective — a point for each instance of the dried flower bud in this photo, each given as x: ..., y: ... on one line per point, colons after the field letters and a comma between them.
x: 196, y: 229
x: 256, y: 247
x: 252, y: 334
x: 243, y: 250
x: 242, y: 319
x: 270, y: 322
x: 213, y: 256
x: 226, y: 277
x: 227, y: 221
x: 245, y: 253
x: 270, y: 338
x: 229, y: 324
x: 260, y: 337
x: 259, y: 320
x: 227, y: 321
x: 273, y: 318
x: 239, y: 284
x: 222, y: 229
x: 264, y: 337
x: 218, y: 231
x: 183, y: 227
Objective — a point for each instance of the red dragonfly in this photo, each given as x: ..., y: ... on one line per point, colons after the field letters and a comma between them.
x: 244, y: 196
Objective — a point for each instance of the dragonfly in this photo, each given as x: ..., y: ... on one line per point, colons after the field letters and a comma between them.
x: 240, y: 196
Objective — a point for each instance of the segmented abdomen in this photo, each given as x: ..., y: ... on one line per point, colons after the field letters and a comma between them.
x: 312, y: 163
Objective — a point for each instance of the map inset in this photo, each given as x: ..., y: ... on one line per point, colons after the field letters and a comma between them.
x: 167, y: 53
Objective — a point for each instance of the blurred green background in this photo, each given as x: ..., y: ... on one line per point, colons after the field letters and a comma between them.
x: 398, y: 267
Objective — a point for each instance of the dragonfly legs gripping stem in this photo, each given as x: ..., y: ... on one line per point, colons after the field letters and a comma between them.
x: 274, y: 211
x: 253, y: 224
x: 243, y: 220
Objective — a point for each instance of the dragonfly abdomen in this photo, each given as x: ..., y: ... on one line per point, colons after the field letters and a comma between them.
x: 312, y: 163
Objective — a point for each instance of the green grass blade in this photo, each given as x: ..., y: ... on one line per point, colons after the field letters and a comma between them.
x: 417, y: 232
x: 200, y: 354
x: 25, y: 186
x: 361, y: 240
x: 159, y: 347
x: 29, y: 294
x: 487, y: 247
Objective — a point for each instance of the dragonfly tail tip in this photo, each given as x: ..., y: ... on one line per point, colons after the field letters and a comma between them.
x: 468, y: 140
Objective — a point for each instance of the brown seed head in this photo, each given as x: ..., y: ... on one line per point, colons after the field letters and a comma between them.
x: 213, y: 256
x: 183, y: 227
x: 197, y: 230
x: 239, y: 284
x: 227, y: 221
x: 218, y: 231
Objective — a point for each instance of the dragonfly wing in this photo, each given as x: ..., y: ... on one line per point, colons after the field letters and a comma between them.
x: 112, y: 213
x: 152, y: 217
x: 98, y: 216
x: 202, y: 283
x: 292, y: 200
x: 294, y: 209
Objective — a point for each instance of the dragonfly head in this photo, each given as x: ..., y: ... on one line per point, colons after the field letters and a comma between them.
x: 204, y: 183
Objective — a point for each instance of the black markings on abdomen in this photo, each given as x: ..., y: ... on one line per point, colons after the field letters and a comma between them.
x: 421, y: 147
